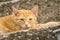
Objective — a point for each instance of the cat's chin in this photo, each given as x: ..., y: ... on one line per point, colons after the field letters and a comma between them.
x: 24, y: 27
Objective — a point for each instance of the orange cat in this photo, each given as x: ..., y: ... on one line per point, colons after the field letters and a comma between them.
x: 21, y: 20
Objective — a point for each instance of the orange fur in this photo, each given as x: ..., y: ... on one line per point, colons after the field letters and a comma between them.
x: 21, y: 20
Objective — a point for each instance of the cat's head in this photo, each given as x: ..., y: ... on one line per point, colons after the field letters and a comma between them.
x: 25, y: 18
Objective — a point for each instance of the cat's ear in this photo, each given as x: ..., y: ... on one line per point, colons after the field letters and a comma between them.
x: 14, y: 11
x: 35, y: 10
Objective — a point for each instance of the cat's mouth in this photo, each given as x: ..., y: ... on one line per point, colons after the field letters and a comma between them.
x: 25, y: 26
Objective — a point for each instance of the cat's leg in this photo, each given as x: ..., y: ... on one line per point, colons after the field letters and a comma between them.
x: 37, y: 26
x: 47, y: 25
x: 51, y: 24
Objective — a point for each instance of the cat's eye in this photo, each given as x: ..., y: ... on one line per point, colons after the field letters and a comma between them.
x: 22, y: 19
x: 30, y: 19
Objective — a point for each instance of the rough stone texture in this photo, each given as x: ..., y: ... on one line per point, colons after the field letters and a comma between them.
x: 49, y: 10
x: 33, y: 34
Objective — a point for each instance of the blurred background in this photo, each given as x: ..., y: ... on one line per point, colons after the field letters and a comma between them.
x: 49, y: 10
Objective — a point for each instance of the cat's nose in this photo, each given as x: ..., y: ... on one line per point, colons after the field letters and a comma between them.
x: 26, y: 25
